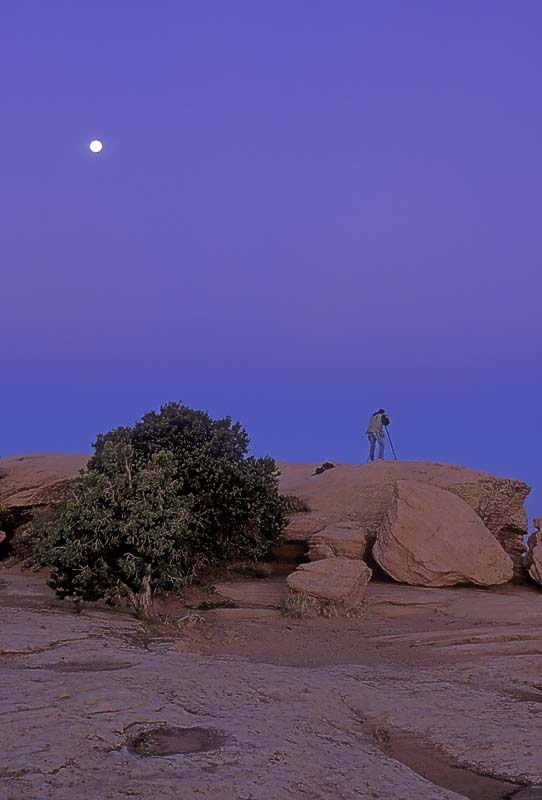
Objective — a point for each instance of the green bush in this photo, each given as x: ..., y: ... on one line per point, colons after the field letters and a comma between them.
x: 157, y: 504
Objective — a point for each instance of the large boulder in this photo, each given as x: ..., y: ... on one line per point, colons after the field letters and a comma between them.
x: 331, y: 587
x: 431, y: 537
x: 359, y: 496
x: 30, y: 485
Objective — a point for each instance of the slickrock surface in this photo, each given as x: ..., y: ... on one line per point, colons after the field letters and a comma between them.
x: 435, y: 694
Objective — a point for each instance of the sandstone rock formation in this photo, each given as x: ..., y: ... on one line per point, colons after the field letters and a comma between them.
x: 302, y: 526
x: 31, y: 484
x: 359, y: 498
x: 498, y: 501
x: 333, y: 586
x: 430, y: 537
x: 533, y: 559
x: 338, y: 542
x: 512, y: 540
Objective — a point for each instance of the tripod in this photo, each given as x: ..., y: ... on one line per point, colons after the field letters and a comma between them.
x: 391, y: 445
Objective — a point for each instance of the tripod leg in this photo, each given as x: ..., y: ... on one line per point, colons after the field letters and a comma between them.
x: 391, y: 445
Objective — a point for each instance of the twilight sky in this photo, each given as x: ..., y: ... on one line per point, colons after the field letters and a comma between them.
x: 304, y: 210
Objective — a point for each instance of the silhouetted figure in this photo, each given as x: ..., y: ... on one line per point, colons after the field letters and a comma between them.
x: 376, y: 434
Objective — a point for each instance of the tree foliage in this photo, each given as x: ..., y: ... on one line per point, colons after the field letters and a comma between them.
x: 158, y: 503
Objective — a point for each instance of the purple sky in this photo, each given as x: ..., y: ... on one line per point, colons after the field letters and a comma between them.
x: 303, y: 210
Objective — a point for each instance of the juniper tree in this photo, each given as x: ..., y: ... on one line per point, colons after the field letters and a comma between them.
x: 158, y: 503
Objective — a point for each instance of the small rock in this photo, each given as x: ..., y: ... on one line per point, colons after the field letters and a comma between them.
x: 323, y: 467
x: 333, y: 586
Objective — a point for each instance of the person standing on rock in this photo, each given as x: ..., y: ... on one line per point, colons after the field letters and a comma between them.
x: 375, y: 433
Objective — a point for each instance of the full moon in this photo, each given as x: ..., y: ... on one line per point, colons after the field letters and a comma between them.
x: 95, y: 146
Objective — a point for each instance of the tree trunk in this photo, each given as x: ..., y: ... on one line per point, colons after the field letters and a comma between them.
x: 142, y: 601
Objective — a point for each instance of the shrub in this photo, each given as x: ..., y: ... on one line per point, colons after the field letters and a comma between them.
x: 157, y: 504
x: 295, y: 505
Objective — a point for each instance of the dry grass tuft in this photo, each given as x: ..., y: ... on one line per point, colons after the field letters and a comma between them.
x: 304, y: 606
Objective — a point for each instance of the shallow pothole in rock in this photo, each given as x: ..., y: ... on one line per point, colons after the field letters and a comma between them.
x: 441, y: 768
x: 172, y: 740
x: 98, y: 665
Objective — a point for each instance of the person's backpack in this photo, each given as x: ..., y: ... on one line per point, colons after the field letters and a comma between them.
x: 385, y: 420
